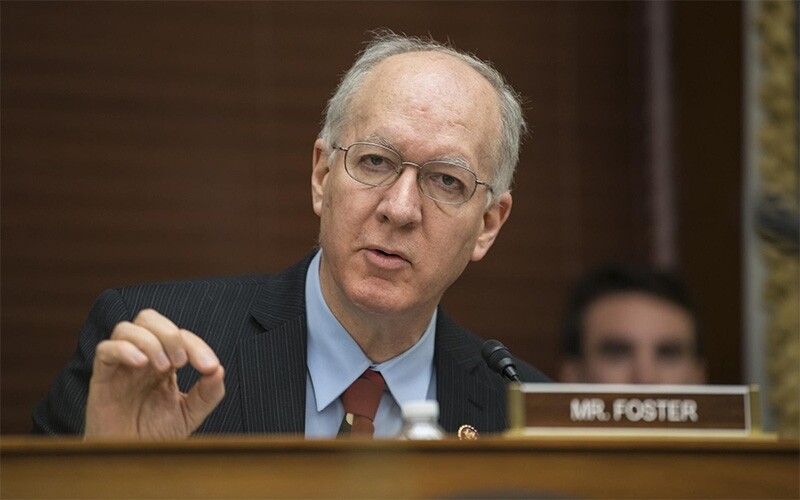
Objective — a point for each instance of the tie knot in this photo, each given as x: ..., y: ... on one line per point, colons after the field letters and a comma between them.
x: 364, y: 395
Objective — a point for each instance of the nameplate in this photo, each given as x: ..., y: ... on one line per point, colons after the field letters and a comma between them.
x: 535, y: 409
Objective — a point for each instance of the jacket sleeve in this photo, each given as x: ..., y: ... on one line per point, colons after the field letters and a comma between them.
x: 63, y: 410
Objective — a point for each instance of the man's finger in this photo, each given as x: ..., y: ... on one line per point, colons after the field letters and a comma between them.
x: 204, y: 397
x: 201, y: 356
x: 119, y: 352
x: 145, y: 341
x: 167, y: 333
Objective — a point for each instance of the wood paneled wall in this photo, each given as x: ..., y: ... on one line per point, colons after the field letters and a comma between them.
x: 708, y: 170
x: 145, y: 141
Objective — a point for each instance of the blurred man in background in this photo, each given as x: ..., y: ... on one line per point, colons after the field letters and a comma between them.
x: 626, y: 325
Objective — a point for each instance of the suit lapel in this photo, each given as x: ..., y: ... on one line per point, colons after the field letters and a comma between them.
x: 272, y: 363
x: 464, y: 394
x: 272, y: 366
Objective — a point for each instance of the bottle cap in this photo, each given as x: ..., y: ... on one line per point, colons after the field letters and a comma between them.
x: 421, y: 409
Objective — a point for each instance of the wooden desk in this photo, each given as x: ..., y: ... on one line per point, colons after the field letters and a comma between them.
x: 542, y: 467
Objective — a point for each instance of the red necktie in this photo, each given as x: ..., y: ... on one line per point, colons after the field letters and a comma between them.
x: 361, y: 400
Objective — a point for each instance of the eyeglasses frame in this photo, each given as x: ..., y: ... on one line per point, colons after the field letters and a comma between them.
x: 403, y: 163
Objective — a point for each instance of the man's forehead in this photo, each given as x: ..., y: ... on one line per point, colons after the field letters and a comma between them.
x: 427, y: 94
x: 425, y: 61
x: 604, y: 338
x: 637, y: 315
x: 625, y: 304
x: 426, y: 76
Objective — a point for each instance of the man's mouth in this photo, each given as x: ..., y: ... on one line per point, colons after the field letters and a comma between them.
x: 387, y: 255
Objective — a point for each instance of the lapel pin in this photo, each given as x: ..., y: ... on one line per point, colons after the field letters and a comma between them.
x: 467, y: 433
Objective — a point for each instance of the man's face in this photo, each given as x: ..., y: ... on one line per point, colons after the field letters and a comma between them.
x: 391, y: 251
x: 636, y: 338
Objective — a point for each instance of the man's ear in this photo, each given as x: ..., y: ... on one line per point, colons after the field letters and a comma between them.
x: 493, y: 219
x: 319, y: 173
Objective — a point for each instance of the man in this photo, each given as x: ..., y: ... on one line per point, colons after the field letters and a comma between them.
x: 631, y: 326
x: 410, y: 178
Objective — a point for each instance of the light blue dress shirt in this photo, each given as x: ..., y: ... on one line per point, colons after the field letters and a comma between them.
x: 335, y: 361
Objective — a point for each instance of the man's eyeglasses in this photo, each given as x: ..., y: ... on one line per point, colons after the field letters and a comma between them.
x: 441, y: 181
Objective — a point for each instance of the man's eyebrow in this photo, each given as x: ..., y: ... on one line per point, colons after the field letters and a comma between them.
x: 673, y: 346
x: 614, y: 340
x: 382, y: 141
x: 614, y: 343
x: 458, y: 160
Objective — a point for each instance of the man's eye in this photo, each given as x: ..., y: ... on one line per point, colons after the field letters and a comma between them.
x: 375, y: 161
x: 447, y: 182
x: 672, y: 352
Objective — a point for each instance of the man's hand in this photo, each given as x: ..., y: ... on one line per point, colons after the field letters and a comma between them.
x: 134, y: 393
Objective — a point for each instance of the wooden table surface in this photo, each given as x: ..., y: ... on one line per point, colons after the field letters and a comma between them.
x: 287, y: 467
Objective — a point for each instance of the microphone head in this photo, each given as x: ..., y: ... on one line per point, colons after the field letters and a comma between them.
x: 496, y: 356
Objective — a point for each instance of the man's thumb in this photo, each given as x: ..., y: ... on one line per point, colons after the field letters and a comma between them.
x: 204, y: 397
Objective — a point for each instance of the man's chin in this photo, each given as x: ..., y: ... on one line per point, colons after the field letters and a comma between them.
x: 383, y: 306
x: 383, y: 300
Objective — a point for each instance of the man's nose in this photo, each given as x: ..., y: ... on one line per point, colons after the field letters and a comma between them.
x: 645, y: 370
x: 401, y: 204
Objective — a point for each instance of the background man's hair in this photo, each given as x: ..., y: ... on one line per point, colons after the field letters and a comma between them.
x: 613, y: 279
x: 386, y: 43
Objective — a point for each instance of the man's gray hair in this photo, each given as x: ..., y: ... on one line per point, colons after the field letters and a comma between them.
x: 385, y: 44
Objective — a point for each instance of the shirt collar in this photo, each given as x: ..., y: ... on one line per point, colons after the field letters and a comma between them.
x: 335, y: 360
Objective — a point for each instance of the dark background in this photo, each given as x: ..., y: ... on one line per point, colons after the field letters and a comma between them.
x: 151, y: 141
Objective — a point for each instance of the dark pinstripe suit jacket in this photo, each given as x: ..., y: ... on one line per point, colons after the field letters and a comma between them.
x: 257, y: 327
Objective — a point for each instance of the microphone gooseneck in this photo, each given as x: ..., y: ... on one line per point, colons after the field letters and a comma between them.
x: 499, y: 359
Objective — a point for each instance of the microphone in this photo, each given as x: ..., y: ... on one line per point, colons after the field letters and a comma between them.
x: 499, y: 359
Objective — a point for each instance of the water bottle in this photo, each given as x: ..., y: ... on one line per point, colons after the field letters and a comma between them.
x: 420, y: 420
